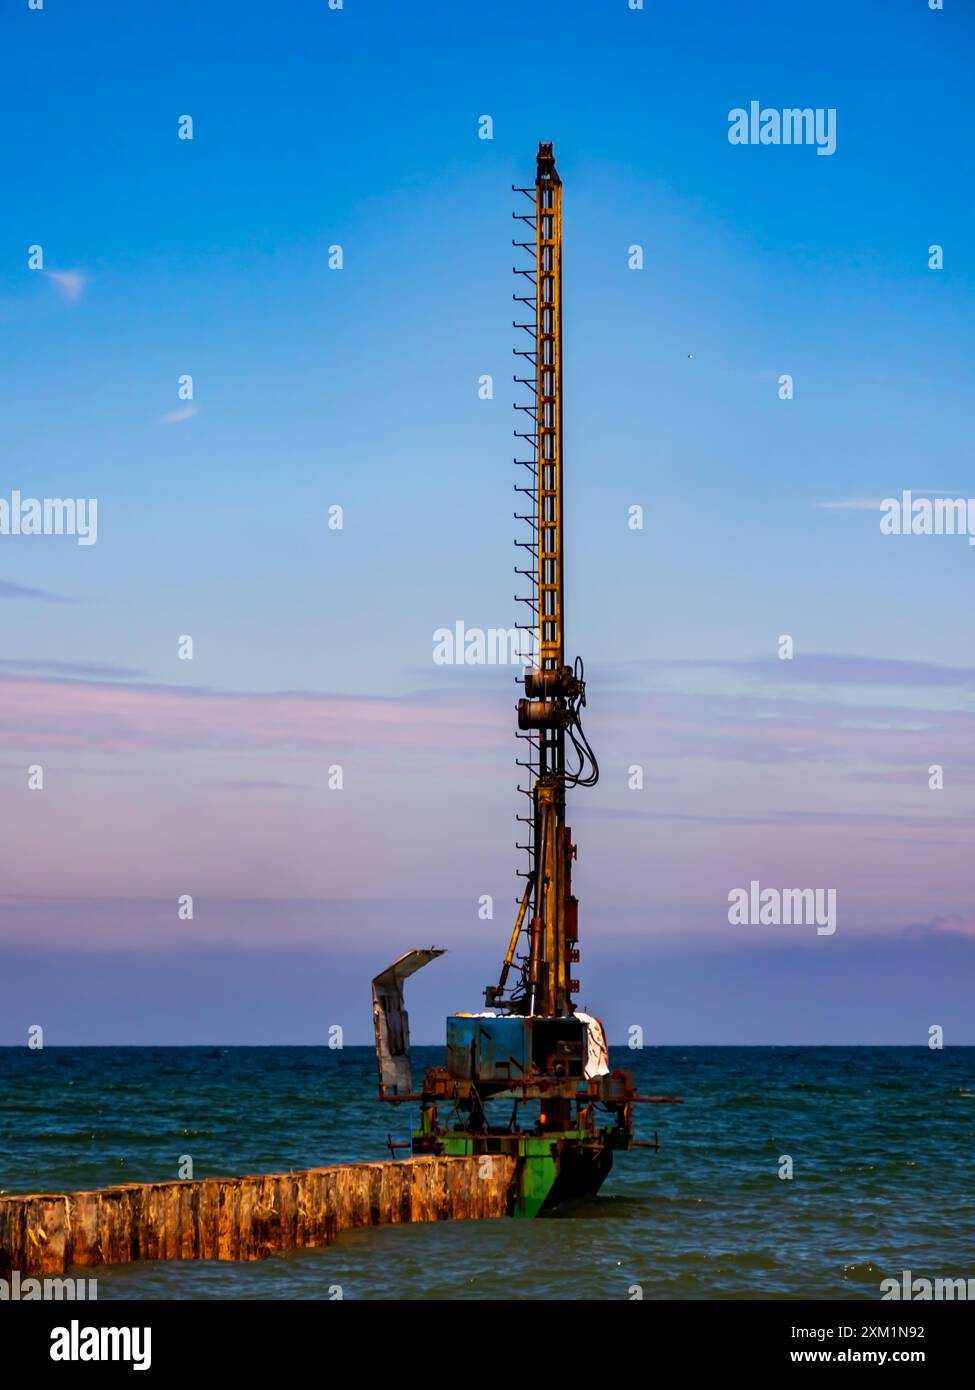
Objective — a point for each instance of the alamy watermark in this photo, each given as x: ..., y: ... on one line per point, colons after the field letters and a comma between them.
x: 908, y: 515
x: 77, y: 1343
x: 478, y: 646
x: 792, y: 125
x: 18, y: 1290
x: 755, y: 906
x: 50, y: 516
x: 926, y: 1290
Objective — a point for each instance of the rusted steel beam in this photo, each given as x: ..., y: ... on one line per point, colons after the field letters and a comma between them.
x: 244, y: 1218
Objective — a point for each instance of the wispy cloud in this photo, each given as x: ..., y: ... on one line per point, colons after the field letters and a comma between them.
x: 873, y: 504
x: 184, y: 412
x: 107, y: 714
x: 61, y: 710
x: 828, y: 669
x: 810, y: 668
x: 70, y: 283
x: 85, y: 670
x: 241, y: 784
x: 8, y: 590
x: 853, y: 504
x: 952, y: 925
x: 786, y: 817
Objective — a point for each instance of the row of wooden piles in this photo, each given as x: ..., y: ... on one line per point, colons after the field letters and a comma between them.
x: 245, y: 1218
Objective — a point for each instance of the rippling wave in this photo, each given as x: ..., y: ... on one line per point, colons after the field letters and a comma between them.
x: 881, y: 1141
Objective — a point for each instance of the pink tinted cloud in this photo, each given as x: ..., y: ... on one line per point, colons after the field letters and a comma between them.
x: 953, y: 926
x: 761, y: 729
x: 115, y: 717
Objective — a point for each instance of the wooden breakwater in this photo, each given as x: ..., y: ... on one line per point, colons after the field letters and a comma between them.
x: 245, y: 1218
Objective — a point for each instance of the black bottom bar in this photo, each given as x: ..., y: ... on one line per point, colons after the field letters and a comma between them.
x: 251, y: 1338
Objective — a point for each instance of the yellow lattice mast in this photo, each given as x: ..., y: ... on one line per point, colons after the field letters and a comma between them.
x: 554, y: 692
x: 548, y: 349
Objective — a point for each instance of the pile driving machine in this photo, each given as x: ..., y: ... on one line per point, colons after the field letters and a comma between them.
x: 529, y: 1076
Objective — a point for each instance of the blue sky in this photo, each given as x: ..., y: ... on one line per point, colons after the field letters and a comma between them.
x: 314, y: 387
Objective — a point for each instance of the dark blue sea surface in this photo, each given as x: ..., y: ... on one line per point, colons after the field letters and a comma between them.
x: 882, y: 1142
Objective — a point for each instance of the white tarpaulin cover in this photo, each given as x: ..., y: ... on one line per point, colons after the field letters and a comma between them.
x: 597, y: 1063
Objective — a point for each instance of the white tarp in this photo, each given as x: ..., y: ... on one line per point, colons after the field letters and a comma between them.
x: 597, y: 1063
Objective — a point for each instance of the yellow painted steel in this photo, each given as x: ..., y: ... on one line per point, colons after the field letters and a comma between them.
x: 519, y: 923
x: 552, y: 998
x: 547, y: 960
x: 552, y: 995
x: 548, y: 349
